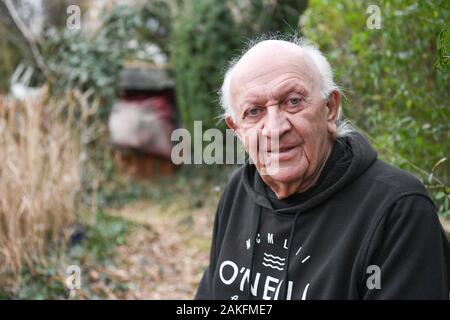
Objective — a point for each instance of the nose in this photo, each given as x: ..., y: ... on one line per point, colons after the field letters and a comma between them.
x: 276, y: 123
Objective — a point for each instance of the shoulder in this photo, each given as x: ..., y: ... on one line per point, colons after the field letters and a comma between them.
x: 235, y: 181
x: 407, y: 210
x: 232, y: 187
x: 393, y: 179
x: 236, y: 176
x: 398, y: 196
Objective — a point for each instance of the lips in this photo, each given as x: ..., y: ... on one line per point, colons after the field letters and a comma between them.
x: 282, y: 149
x: 284, y: 152
x: 287, y: 148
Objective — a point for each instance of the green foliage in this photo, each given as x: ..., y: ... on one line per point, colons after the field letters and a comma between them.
x: 158, y: 24
x: 84, y: 61
x: 202, y: 41
x: 102, y: 237
x: 394, y: 92
x: 193, y: 182
x: 206, y: 35
x: 264, y: 17
x: 96, y: 249
x: 9, y: 59
x: 43, y: 283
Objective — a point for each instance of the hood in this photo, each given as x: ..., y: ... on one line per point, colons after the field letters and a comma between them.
x: 363, y: 157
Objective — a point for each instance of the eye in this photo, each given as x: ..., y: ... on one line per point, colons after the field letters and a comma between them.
x: 293, y: 102
x: 253, y: 112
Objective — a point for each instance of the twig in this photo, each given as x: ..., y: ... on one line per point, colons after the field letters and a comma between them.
x: 28, y: 36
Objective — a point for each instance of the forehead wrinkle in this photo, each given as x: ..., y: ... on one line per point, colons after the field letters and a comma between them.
x: 299, y: 70
x: 287, y: 86
x: 262, y: 94
x: 254, y: 95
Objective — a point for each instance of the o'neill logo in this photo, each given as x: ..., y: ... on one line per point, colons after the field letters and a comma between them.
x: 229, y: 273
x: 265, y: 283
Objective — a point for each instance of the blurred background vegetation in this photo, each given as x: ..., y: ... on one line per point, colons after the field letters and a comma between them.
x: 63, y: 201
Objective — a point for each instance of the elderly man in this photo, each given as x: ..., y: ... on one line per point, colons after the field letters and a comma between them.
x: 315, y: 214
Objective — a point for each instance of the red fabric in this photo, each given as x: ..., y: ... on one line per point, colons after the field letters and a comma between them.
x: 143, y: 123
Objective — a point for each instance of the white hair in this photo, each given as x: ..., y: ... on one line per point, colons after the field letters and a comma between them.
x: 326, y: 74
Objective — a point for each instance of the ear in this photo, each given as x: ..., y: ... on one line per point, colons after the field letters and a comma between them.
x: 233, y: 126
x: 230, y: 123
x: 333, y: 105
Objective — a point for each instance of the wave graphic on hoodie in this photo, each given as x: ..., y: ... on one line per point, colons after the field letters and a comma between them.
x: 273, y: 262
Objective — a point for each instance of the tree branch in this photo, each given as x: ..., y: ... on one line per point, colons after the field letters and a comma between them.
x: 29, y: 37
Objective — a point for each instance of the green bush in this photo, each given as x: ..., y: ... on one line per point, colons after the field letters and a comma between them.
x: 202, y: 41
x: 84, y: 60
x: 395, y: 94
x: 205, y: 35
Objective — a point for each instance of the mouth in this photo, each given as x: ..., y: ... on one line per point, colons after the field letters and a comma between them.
x: 282, y: 149
x: 284, y: 152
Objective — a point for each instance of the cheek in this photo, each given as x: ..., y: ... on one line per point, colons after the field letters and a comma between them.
x: 249, y: 139
x: 312, y: 128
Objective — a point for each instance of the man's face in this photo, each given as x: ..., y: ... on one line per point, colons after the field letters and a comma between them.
x: 280, y: 116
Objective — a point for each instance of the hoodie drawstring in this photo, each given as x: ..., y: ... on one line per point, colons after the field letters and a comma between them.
x: 288, y: 256
x: 258, y: 221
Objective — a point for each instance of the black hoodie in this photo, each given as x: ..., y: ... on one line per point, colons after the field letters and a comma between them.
x: 372, y: 234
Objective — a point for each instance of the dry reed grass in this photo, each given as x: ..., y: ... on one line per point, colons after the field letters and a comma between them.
x: 39, y: 181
